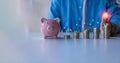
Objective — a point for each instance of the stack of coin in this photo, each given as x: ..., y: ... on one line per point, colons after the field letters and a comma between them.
x: 76, y: 35
x: 86, y: 34
x: 107, y: 29
x: 66, y: 37
x: 96, y: 33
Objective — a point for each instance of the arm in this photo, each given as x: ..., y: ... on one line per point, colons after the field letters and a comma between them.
x: 115, y: 11
x: 112, y: 6
x: 54, y: 9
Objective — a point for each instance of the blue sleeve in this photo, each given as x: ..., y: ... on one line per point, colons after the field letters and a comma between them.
x: 115, y: 10
x: 54, y: 9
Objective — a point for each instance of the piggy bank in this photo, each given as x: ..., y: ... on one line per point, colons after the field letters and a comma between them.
x: 50, y: 27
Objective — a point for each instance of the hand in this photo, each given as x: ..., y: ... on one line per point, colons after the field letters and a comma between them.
x: 113, y: 29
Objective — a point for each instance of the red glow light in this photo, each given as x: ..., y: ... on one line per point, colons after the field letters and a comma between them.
x: 106, y: 16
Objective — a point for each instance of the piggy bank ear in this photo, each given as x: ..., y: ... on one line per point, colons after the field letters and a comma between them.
x: 43, y: 20
x: 58, y: 20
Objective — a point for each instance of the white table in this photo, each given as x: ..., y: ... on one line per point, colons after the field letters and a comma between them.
x: 38, y: 50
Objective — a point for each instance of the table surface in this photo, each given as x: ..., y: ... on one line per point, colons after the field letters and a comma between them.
x: 38, y: 50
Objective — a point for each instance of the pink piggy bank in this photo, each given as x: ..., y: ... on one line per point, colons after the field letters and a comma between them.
x: 50, y: 27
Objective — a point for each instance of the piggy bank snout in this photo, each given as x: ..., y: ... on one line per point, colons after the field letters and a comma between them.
x: 50, y: 28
